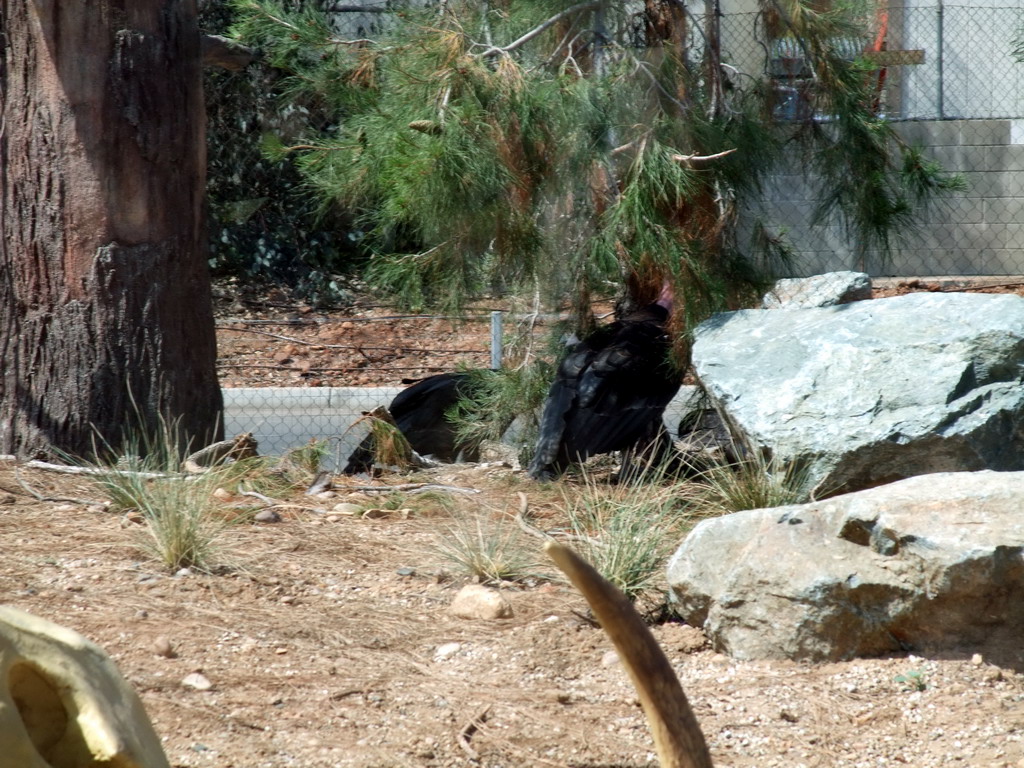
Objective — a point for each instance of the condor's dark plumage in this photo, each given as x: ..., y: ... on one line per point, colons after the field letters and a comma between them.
x: 420, y: 411
x: 610, y: 393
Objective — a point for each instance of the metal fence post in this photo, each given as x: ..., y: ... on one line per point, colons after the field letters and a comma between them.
x: 940, y: 61
x: 496, y: 350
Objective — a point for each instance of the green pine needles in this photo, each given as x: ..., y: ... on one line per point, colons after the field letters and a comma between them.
x: 579, y: 148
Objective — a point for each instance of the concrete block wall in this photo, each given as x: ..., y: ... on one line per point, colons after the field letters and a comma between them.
x: 282, y: 418
x: 977, y: 232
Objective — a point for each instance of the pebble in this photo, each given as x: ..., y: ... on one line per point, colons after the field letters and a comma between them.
x: 609, y: 659
x: 162, y: 647
x: 475, y: 601
x: 446, y: 651
x: 132, y: 518
x: 198, y: 681
x: 267, y: 516
x: 347, y: 508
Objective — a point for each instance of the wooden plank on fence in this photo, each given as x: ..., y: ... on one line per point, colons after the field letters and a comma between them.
x: 895, y: 58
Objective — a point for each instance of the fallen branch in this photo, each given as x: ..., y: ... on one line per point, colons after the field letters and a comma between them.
x: 678, y: 739
x: 265, y: 499
x: 68, y: 470
x: 322, y: 482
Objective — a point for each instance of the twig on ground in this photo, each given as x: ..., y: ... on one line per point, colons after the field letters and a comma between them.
x: 322, y: 482
x: 266, y: 499
x: 467, y: 731
x: 678, y: 739
x: 40, y: 497
x: 65, y: 469
x: 412, y: 488
x: 241, y: 446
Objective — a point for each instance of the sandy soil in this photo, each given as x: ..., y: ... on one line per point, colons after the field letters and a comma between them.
x: 329, y: 642
x: 328, y: 639
x: 267, y: 338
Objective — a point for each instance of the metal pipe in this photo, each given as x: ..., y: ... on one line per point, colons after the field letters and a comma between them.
x: 496, y: 340
x: 940, y: 63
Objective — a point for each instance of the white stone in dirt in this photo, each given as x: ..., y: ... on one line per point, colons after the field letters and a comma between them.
x: 63, y: 702
x: 446, y: 651
x: 875, y: 391
x: 347, y: 508
x: 197, y: 681
x: 931, y: 563
x: 475, y: 601
x: 824, y: 290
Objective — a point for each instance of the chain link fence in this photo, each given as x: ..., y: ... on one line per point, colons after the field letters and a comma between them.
x: 946, y: 77
x: 312, y: 376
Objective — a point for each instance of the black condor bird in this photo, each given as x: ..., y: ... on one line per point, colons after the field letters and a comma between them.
x: 610, y: 393
x: 420, y: 411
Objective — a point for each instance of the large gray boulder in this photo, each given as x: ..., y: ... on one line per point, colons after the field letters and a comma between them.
x: 933, y: 563
x: 867, y: 393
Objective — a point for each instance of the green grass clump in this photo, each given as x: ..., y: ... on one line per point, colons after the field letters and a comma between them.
x: 184, y: 527
x: 628, y: 531
x: 756, y: 482
x: 308, y: 458
x: 490, y: 549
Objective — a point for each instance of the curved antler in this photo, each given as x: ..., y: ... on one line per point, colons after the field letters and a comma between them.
x: 678, y: 739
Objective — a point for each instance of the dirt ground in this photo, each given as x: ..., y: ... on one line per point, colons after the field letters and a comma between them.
x: 269, y: 339
x: 328, y: 641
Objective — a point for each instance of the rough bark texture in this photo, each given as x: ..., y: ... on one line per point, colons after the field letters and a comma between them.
x: 105, y: 309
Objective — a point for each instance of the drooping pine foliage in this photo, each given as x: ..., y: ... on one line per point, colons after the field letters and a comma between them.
x: 579, y: 149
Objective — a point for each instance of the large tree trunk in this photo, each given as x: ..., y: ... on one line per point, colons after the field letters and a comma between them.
x: 106, y: 321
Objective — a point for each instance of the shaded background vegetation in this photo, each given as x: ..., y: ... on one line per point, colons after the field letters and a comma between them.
x: 264, y: 224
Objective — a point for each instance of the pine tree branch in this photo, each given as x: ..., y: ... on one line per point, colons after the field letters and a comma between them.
x: 570, y: 11
x: 338, y: 8
x: 693, y: 160
x: 690, y: 160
